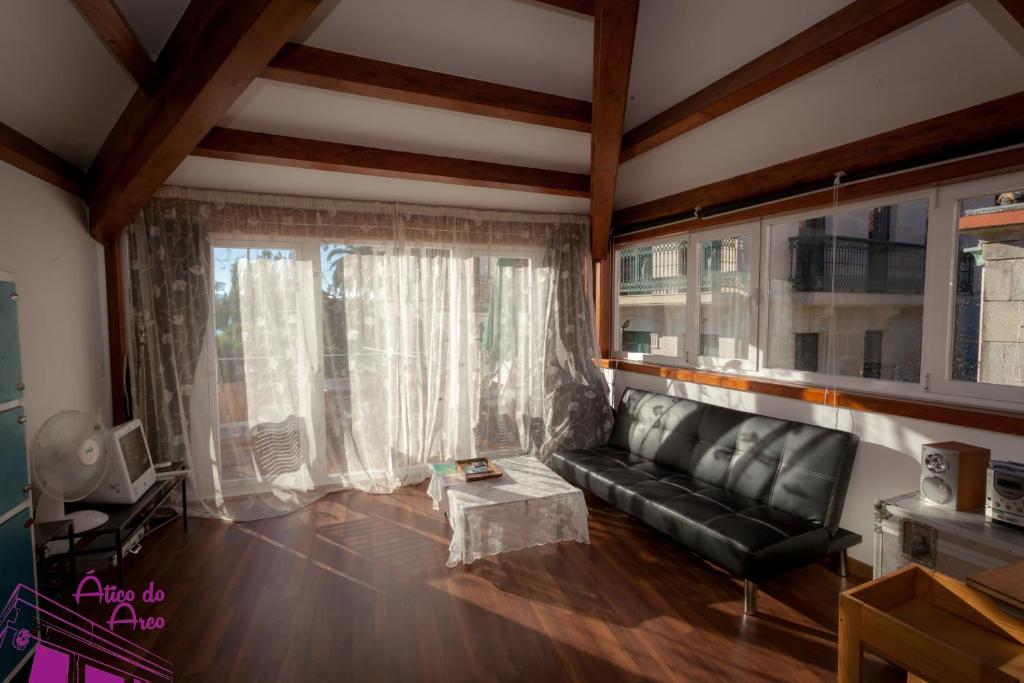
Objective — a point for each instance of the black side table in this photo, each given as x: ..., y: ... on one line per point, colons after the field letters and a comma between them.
x: 47, y: 532
x: 125, y: 521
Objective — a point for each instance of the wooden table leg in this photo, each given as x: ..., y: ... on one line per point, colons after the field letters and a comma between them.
x: 850, y: 650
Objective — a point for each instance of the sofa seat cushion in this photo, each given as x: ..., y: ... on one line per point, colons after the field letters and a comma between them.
x: 752, y: 541
x: 744, y: 536
x: 606, y: 469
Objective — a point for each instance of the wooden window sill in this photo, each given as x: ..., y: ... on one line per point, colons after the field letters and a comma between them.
x: 993, y: 420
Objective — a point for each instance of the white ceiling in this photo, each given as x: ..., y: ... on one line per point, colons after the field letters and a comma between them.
x: 152, y: 20
x: 286, y: 109
x: 64, y: 90
x: 682, y: 47
x: 216, y: 174
x: 951, y: 60
x: 504, y: 41
x: 61, y: 87
x: 512, y: 42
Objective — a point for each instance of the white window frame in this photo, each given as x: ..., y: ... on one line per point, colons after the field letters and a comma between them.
x: 823, y: 378
x: 937, y: 317
x: 749, y: 362
x: 943, y: 284
x: 617, y: 351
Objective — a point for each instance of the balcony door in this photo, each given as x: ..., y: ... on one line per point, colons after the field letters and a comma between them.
x: 266, y: 369
x: 358, y: 364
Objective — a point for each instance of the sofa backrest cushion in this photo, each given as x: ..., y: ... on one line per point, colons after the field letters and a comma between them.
x: 657, y: 427
x: 794, y: 467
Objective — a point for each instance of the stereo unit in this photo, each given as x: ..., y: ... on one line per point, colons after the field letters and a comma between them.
x: 1005, y: 502
x: 953, y: 475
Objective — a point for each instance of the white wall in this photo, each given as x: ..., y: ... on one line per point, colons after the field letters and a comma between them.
x: 888, y: 460
x: 62, y: 315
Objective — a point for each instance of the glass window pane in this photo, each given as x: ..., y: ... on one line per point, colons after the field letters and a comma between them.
x: 507, y: 344
x: 243, y: 277
x: 371, y: 327
x: 874, y: 260
x: 652, y: 299
x: 725, y: 327
x: 988, y: 331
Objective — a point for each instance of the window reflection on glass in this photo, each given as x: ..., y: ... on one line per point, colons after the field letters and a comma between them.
x: 725, y: 327
x: 988, y: 323
x: 652, y: 298
x: 874, y: 259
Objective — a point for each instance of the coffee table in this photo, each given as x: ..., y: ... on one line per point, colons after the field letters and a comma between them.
x: 528, y: 505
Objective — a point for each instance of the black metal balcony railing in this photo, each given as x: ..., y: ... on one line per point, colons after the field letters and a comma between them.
x: 661, y: 268
x: 725, y: 266
x: 861, y: 265
x: 965, y: 274
x: 657, y: 269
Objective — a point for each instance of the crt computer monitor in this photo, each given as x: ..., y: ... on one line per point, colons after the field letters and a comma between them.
x: 130, y: 472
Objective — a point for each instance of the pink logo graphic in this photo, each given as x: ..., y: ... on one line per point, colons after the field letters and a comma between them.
x: 122, y: 599
x: 71, y: 648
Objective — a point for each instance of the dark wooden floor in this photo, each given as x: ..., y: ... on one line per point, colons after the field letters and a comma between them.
x: 354, y: 588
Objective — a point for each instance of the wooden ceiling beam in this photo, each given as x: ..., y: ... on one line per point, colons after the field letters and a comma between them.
x: 214, y: 53
x: 1015, y: 8
x: 976, y: 166
x: 112, y: 28
x: 614, y: 32
x: 317, y: 68
x: 31, y: 157
x: 579, y: 6
x: 975, y: 130
x: 851, y: 28
x: 280, y: 150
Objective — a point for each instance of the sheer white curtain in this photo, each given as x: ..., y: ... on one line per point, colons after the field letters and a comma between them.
x: 413, y: 368
x: 352, y: 344
x: 278, y: 334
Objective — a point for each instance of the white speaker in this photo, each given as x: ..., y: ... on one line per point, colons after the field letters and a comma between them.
x: 953, y: 475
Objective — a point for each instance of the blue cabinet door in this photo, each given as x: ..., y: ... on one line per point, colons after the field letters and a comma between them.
x: 10, y: 353
x: 13, y: 470
x: 17, y: 610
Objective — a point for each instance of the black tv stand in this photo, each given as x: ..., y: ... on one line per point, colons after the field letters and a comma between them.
x: 126, y: 522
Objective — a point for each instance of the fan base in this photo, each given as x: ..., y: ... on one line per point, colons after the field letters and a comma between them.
x: 87, y: 520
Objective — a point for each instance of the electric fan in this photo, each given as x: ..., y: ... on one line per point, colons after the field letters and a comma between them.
x: 69, y: 459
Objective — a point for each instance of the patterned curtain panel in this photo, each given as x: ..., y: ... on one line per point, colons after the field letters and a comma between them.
x: 576, y: 408
x: 351, y: 344
x: 169, y: 271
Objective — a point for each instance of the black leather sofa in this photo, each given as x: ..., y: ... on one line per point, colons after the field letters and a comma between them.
x: 757, y: 496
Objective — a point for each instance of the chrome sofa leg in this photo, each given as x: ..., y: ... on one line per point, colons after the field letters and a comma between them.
x: 841, y: 567
x: 749, y: 597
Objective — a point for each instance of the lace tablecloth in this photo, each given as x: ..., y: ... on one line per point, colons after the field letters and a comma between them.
x: 528, y: 505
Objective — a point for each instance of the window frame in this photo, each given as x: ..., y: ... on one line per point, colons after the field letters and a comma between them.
x: 616, y: 342
x: 309, y: 248
x: 232, y: 487
x: 938, y: 313
x: 750, y: 362
x: 944, y: 303
x: 821, y: 377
